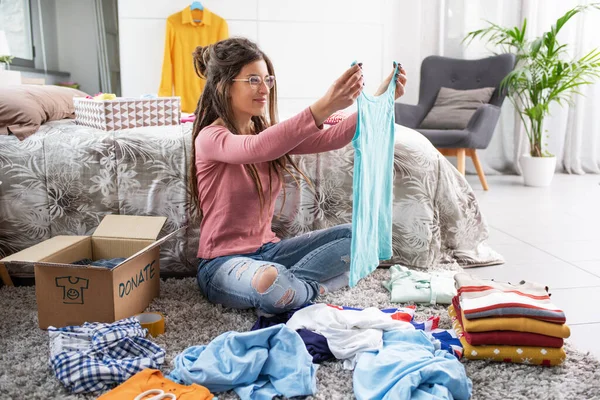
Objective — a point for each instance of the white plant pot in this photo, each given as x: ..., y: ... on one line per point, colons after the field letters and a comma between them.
x: 538, y: 171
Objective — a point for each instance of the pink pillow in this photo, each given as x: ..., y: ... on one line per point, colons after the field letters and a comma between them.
x: 23, y: 108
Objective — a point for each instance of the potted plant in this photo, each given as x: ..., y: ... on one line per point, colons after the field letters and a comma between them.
x: 543, y: 74
x: 5, y: 61
x: 5, y: 57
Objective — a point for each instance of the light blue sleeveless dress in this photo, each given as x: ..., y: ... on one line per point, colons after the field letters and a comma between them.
x: 373, y: 182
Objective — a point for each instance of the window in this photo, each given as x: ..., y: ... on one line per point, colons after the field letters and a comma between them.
x: 15, y: 21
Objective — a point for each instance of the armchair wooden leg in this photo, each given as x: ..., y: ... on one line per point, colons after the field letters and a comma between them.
x: 475, y: 158
x: 460, y: 154
x: 4, y: 275
x: 460, y: 160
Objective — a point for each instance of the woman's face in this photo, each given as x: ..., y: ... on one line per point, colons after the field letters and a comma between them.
x: 249, y: 99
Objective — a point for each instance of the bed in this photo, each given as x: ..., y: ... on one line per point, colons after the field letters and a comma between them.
x: 64, y: 178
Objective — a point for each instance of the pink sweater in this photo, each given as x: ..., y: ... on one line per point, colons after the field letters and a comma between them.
x: 232, y: 223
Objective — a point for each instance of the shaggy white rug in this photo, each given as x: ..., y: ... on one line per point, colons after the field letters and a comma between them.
x: 191, y: 320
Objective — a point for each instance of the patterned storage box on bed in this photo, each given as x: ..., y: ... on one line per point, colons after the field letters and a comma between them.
x: 124, y: 113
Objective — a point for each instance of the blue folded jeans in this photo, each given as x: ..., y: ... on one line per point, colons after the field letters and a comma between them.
x: 108, y: 263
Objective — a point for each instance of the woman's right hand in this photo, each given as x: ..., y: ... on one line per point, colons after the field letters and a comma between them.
x: 342, y: 94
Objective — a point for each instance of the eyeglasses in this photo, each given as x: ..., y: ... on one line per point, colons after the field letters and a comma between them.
x: 255, y: 81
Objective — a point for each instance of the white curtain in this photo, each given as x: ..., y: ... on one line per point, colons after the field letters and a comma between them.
x: 103, y: 62
x: 574, y: 131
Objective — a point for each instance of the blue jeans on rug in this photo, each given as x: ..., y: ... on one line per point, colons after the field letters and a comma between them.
x: 279, y: 276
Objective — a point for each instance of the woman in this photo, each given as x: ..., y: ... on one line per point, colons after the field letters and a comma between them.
x: 240, y: 155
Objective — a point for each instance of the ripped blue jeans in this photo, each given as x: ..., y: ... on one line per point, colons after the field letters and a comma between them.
x: 278, y: 276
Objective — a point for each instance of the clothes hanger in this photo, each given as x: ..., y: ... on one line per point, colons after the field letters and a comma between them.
x: 160, y: 395
x: 196, y: 5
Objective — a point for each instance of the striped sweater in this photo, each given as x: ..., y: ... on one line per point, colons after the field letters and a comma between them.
x: 482, y: 298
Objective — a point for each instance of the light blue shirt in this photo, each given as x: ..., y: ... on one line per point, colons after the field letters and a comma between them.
x: 258, y: 364
x: 409, y: 367
x: 406, y: 285
x: 372, y: 183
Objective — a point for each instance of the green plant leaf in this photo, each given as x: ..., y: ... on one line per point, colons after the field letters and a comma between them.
x: 536, y: 45
x: 544, y: 72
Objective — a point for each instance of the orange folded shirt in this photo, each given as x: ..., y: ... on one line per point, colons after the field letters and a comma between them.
x: 153, y: 379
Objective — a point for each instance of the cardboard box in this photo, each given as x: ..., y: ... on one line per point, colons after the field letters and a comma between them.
x: 126, y: 113
x: 70, y: 294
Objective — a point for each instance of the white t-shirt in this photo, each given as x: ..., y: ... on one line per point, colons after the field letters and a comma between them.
x: 348, y: 332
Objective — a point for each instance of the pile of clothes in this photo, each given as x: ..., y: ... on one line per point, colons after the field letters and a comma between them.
x: 508, y: 323
x: 391, y: 354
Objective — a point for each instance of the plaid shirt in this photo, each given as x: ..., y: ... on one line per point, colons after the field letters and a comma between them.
x: 93, y: 357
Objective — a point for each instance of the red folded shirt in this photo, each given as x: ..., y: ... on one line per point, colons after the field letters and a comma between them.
x: 509, y: 338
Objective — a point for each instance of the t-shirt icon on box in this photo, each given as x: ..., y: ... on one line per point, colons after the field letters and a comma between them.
x: 73, y: 287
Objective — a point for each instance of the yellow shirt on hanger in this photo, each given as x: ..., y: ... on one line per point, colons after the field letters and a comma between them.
x: 183, y: 35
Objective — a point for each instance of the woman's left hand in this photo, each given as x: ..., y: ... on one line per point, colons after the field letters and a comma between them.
x: 400, y: 83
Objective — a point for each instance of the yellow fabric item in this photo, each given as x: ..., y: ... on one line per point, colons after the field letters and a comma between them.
x: 519, y: 324
x: 106, y: 96
x: 154, y: 379
x: 515, y: 354
x: 183, y: 35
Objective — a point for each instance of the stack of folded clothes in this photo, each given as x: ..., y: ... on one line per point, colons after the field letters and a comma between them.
x: 510, y: 323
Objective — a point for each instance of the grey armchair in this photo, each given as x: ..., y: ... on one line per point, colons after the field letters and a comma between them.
x: 437, y: 72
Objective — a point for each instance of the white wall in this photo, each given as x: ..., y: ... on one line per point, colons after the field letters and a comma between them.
x: 310, y: 42
x: 76, y: 35
x: 411, y: 33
